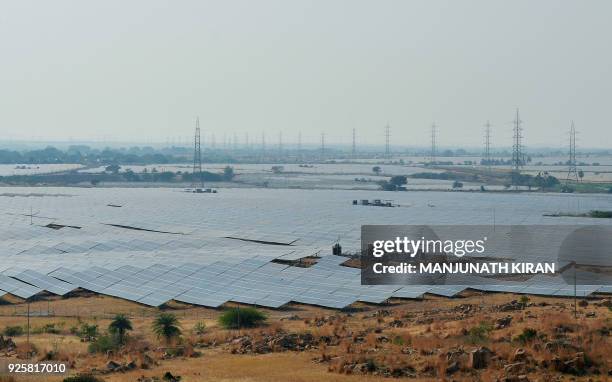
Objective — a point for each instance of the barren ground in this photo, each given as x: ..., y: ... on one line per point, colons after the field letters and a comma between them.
x: 426, y: 340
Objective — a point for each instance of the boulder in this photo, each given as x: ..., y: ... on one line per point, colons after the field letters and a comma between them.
x: 511, y: 306
x: 452, y: 368
x: 7, y: 344
x: 479, y: 358
x: 519, y: 355
x: 515, y: 368
x: 113, y: 366
x: 502, y: 323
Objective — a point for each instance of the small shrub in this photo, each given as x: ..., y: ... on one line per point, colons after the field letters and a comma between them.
x: 527, y: 336
x: 199, y: 328
x: 88, y: 332
x: 480, y: 332
x: 51, y: 328
x: 103, y: 344
x: 83, y: 378
x: 241, y: 318
x: 371, y: 365
x: 13, y: 331
x: 524, y: 300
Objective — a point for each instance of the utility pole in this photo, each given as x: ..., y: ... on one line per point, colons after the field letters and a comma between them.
x: 572, y: 173
x: 197, y: 157
x: 517, y: 148
x: 28, y: 340
x: 263, y: 142
x: 433, y: 143
x: 487, y: 150
x: 354, y: 148
x: 387, y: 151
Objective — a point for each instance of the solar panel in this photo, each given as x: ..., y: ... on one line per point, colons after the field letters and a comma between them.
x: 45, y: 282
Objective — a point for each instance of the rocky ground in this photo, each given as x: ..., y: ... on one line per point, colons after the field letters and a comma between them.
x: 474, y: 338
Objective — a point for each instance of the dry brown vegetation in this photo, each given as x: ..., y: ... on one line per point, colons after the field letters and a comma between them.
x: 472, y: 338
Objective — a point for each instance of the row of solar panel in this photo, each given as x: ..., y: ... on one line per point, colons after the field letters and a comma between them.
x: 253, y: 281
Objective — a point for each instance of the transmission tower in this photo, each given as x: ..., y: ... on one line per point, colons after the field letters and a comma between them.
x: 353, y: 150
x: 487, y: 148
x: 387, y: 135
x: 263, y: 142
x: 280, y: 142
x: 572, y: 173
x: 322, y: 144
x: 517, y: 148
x: 197, y: 157
x: 433, y: 143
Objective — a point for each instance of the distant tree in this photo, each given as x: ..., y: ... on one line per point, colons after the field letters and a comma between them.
x: 277, y: 169
x: 398, y: 180
x: 130, y: 176
x: 376, y: 170
x: 228, y: 173
x: 387, y: 186
x: 114, y: 168
x: 457, y: 184
x: 166, y: 326
x: 581, y: 174
x: 120, y: 325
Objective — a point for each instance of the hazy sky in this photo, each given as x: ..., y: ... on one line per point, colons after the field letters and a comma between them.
x: 142, y: 70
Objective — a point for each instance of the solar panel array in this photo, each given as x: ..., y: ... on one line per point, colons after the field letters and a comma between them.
x: 208, y: 249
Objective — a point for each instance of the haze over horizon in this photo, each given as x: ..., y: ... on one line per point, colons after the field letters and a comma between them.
x: 142, y: 70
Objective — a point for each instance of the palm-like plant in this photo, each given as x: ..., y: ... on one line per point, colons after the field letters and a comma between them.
x: 119, y: 326
x: 166, y: 326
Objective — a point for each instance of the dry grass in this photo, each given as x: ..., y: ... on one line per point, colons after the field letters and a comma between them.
x: 409, y: 345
